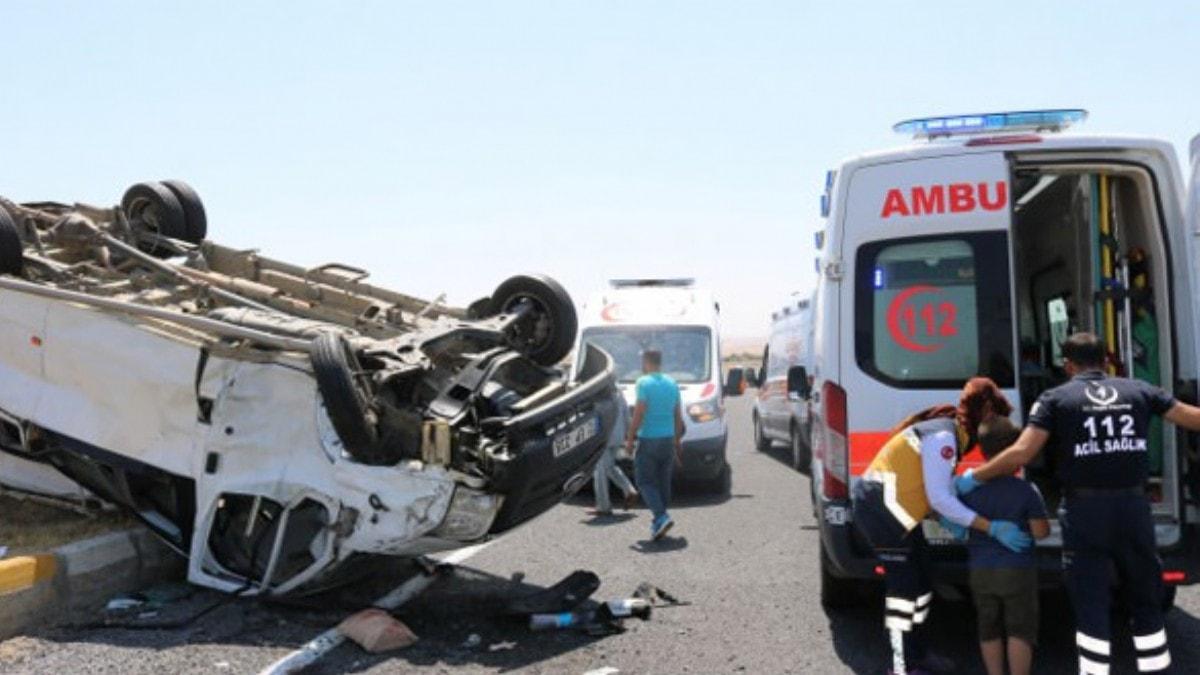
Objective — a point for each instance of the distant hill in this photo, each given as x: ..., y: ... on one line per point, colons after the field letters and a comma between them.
x: 742, y: 348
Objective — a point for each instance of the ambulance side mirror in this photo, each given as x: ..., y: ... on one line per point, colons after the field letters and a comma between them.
x: 797, y: 382
x: 733, y: 382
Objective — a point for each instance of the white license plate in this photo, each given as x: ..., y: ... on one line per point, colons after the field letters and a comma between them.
x: 576, y: 436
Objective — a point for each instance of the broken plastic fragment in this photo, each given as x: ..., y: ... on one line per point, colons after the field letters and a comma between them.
x: 377, y: 631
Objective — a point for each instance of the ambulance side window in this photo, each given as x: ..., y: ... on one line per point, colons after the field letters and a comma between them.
x: 934, y: 311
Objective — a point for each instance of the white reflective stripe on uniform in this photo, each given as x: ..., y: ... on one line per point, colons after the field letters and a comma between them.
x: 898, y: 623
x: 921, y: 615
x: 1145, y: 643
x: 1154, y: 663
x: 1089, y: 667
x: 896, y: 637
x: 893, y: 504
x: 1092, y: 644
x: 924, y: 600
x: 907, y: 606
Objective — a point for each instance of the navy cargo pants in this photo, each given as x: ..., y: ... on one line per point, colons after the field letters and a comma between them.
x: 1103, y: 532
x: 905, y: 561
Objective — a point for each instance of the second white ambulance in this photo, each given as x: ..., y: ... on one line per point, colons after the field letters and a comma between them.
x: 682, y: 321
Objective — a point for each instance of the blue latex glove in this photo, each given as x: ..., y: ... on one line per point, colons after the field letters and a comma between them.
x: 966, y: 482
x: 957, y: 531
x: 1010, y: 535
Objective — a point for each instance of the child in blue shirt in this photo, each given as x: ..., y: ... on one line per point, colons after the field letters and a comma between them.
x: 1004, y: 583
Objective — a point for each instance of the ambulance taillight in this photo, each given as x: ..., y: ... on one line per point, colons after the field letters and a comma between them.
x: 836, y: 466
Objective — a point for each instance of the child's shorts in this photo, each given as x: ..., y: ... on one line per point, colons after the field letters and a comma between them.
x: 1006, y: 602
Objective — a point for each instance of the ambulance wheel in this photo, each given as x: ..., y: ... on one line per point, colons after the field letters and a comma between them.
x: 547, y: 332
x: 836, y: 592
x: 801, y: 455
x: 193, y: 210
x: 345, y: 391
x: 12, y: 253
x: 154, y: 208
x: 761, y: 442
x: 722, y: 484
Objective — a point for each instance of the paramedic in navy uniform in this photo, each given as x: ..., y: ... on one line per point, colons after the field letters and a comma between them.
x: 1098, y: 425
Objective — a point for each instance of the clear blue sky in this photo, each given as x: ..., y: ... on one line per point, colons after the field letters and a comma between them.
x: 446, y: 145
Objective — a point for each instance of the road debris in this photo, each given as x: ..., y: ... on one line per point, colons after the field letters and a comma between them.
x: 313, y: 650
x: 504, y: 646
x: 473, y: 640
x: 605, y: 670
x: 657, y: 596
x: 377, y: 631
x: 629, y: 607
x: 123, y: 603
x: 152, y: 598
x: 564, y: 596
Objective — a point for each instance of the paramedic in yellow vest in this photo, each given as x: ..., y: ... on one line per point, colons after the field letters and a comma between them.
x: 910, y: 479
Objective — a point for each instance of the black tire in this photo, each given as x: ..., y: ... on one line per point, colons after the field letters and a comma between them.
x: 193, y: 209
x: 761, y: 442
x: 12, y: 251
x: 801, y: 454
x: 839, y: 593
x: 346, y: 397
x: 546, y: 334
x: 722, y: 485
x: 154, y: 207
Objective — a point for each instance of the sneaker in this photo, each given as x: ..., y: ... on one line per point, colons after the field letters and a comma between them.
x: 661, y: 528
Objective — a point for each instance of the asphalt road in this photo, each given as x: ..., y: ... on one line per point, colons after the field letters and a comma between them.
x: 747, y: 563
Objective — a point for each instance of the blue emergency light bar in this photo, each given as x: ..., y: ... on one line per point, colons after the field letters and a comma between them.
x: 986, y: 123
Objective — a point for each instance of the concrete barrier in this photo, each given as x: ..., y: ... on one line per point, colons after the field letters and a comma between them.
x: 48, y: 588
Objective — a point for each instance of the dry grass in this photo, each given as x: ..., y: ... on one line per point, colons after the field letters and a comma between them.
x: 28, y: 527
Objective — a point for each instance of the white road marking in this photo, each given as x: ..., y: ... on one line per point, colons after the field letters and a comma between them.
x: 326, y: 642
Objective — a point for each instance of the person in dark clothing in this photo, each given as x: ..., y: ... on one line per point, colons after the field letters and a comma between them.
x: 1098, y: 426
x: 1004, y: 583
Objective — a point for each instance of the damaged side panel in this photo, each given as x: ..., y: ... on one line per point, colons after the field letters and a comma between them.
x: 279, y: 424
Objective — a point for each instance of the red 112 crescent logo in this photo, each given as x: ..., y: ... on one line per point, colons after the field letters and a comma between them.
x: 923, y: 327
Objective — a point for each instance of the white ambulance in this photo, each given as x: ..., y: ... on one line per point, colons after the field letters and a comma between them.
x: 781, y: 412
x: 976, y: 250
x: 682, y: 321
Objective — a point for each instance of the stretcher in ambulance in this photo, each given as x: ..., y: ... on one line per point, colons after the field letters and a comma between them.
x: 977, y: 250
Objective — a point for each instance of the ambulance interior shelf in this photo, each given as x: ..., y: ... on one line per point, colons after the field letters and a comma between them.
x: 1085, y: 243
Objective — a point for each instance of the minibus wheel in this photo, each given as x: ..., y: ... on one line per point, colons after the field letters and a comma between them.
x: 345, y: 391
x: 193, y: 210
x: 154, y: 208
x: 546, y: 332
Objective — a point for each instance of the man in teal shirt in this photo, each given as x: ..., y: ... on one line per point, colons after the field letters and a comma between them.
x: 657, y: 427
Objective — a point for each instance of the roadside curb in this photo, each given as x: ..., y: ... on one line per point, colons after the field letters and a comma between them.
x: 49, y: 587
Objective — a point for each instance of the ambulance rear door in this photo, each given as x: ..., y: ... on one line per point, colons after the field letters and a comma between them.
x: 926, y: 289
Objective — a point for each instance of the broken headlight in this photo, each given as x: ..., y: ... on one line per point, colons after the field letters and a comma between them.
x: 470, y: 515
